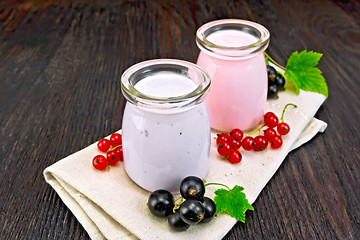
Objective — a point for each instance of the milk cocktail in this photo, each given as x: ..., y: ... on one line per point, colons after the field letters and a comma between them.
x: 232, y: 55
x: 166, y: 131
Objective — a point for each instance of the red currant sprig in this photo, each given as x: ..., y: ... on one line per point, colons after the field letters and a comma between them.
x: 283, y: 128
x: 228, y: 144
x: 113, y: 150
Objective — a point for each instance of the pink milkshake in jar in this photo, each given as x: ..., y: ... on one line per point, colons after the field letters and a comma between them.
x: 232, y: 54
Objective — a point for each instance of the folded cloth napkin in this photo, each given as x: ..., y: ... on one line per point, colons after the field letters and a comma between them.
x: 110, y: 206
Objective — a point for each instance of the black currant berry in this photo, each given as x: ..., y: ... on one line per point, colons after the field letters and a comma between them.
x: 192, y: 188
x: 210, y: 209
x: 176, y: 223
x: 192, y: 211
x: 271, y: 72
x: 272, y: 90
x: 279, y: 81
x: 161, y: 203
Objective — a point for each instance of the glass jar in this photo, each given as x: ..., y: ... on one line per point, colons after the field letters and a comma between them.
x: 232, y: 54
x: 166, y: 130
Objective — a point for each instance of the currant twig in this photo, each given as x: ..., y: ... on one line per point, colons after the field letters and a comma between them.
x: 108, y: 167
x: 178, y: 199
x: 176, y: 205
x: 257, y: 130
x: 283, y: 112
x: 219, y: 184
x: 274, y: 62
x: 116, y: 147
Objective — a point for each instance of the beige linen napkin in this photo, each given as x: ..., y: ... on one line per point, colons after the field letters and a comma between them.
x: 110, y: 206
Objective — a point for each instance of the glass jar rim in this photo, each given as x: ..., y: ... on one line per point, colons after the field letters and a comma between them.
x: 263, y: 38
x: 174, y: 66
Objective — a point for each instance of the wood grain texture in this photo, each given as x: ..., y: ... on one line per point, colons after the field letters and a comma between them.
x: 60, y: 65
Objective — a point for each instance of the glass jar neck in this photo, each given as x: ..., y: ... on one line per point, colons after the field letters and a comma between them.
x: 165, y: 84
x: 232, y: 39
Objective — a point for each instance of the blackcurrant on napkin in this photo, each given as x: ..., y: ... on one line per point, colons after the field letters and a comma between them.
x: 110, y: 206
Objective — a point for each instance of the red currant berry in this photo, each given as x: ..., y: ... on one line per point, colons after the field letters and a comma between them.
x: 260, y: 143
x: 276, y: 142
x: 223, y: 137
x: 224, y: 149
x: 112, y: 158
x: 237, y: 134
x: 270, y: 133
x: 247, y: 143
x: 103, y: 145
x: 234, y: 157
x: 234, y: 143
x: 99, y: 162
x: 271, y: 120
x: 115, y: 139
x: 119, y: 151
x: 283, y: 128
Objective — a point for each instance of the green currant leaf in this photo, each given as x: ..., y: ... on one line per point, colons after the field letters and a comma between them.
x: 232, y: 202
x: 302, y: 71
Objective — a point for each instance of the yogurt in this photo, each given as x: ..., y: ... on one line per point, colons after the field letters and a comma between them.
x: 232, y: 54
x: 231, y: 38
x: 165, y: 85
x: 162, y: 146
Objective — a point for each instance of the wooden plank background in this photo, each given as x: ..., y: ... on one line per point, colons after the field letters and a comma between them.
x: 60, y: 65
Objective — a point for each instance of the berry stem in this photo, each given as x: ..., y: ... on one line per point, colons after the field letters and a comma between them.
x: 274, y: 62
x: 116, y: 147
x: 178, y: 199
x: 219, y: 184
x: 256, y: 130
x: 176, y: 205
x: 283, y: 112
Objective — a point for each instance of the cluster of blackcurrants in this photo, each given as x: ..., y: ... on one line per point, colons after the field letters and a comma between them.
x: 194, y: 207
x: 276, y: 82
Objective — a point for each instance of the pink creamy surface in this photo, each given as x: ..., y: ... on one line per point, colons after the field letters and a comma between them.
x: 231, y: 38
